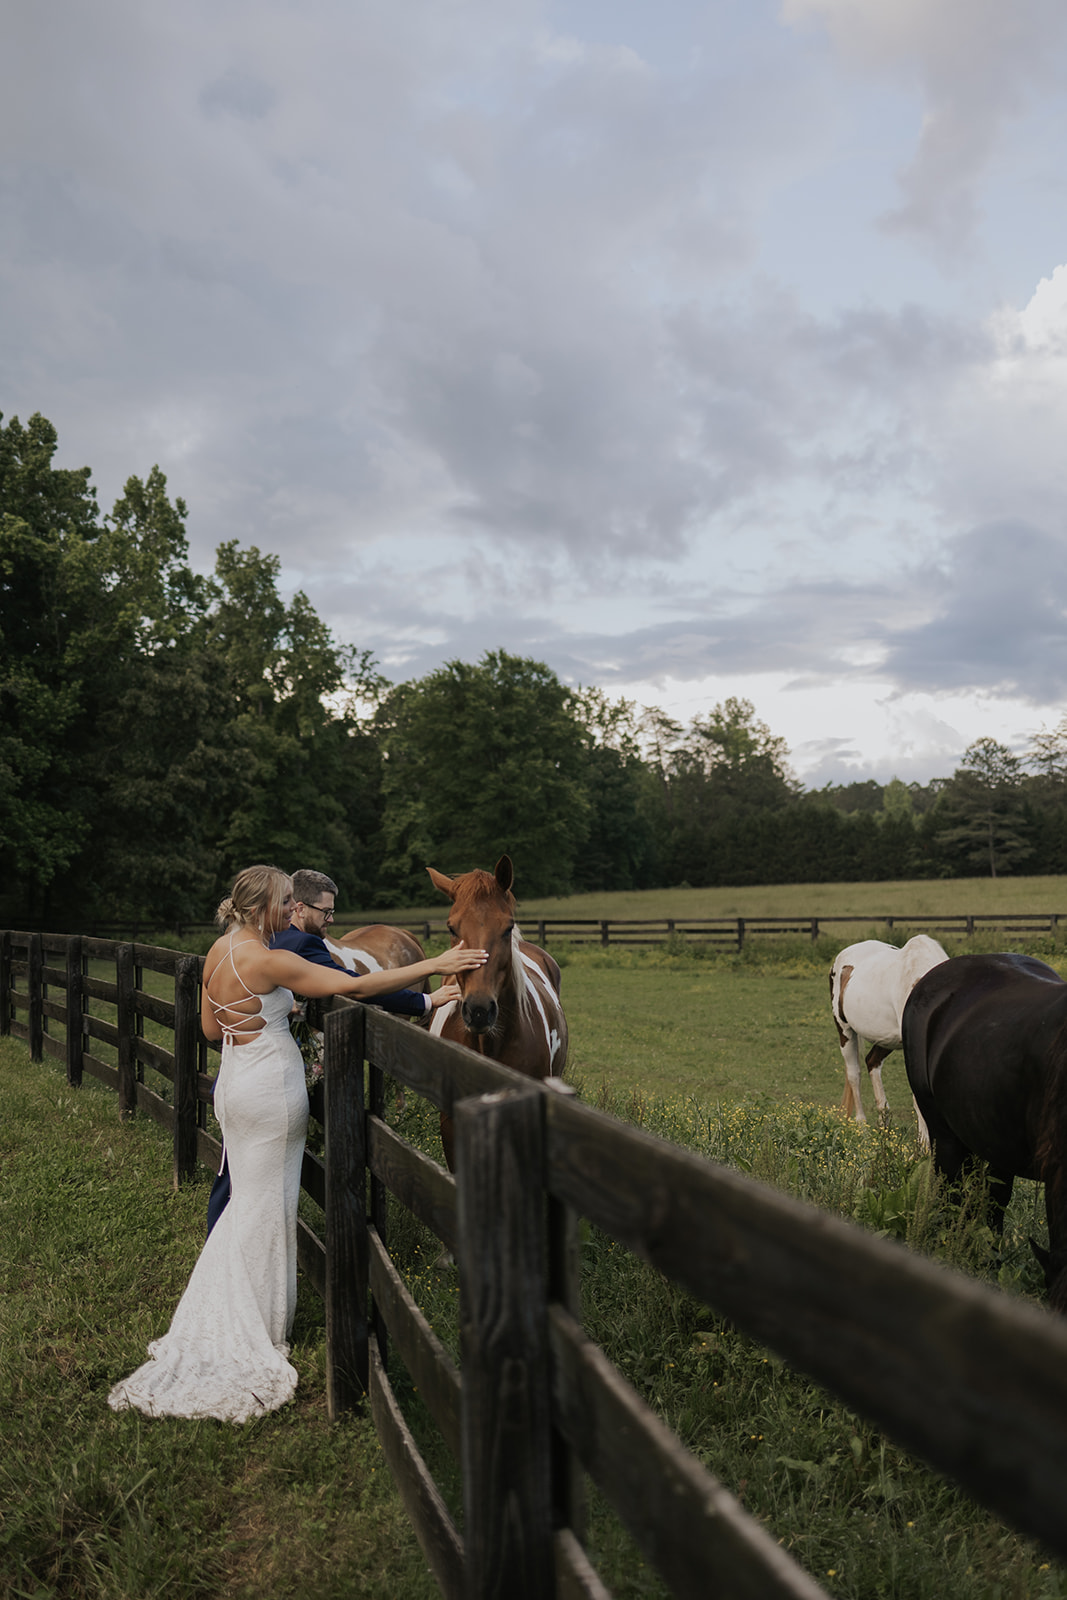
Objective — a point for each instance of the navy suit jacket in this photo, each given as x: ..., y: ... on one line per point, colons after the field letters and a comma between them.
x: 404, y: 1002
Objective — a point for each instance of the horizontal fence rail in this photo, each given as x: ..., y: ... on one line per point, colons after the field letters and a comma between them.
x: 965, y: 1376
x: 729, y: 932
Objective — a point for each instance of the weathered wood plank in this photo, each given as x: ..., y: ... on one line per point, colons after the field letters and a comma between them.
x: 106, y: 1032
x: 34, y: 988
x: 434, y: 1528
x: 313, y: 1178
x: 155, y: 1056
x: 440, y: 1071
x: 100, y: 1070
x: 311, y: 1257
x: 208, y: 1150
x: 18, y: 1030
x: 424, y: 1187
x: 507, y: 1494
x: 99, y: 949
x: 99, y: 988
x: 158, y: 959
x: 56, y: 1009
x: 56, y: 976
x: 432, y: 1370
x: 5, y: 981
x: 186, y: 1048
x: 125, y: 977
x: 694, y: 1533
x: 54, y: 1047
x: 970, y: 1379
x: 158, y: 1109
x: 154, y: 1009
x: 346, y: 1222
x: 576, y: 1577
x: 75, y: 1010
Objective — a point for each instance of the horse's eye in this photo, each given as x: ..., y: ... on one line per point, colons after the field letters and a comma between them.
x: 452, y: 931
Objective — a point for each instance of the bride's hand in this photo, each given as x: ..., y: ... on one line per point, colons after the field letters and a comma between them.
x: 442, y: 996
x: 460, y: 959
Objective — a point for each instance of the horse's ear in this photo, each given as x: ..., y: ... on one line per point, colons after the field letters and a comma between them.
x: 505, y: 874
x: 446, y: 885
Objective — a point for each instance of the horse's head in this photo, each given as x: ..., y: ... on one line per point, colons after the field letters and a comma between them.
x: 483, y: 917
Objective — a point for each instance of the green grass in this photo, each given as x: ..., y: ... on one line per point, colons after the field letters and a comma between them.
x: 734, y: 1056
x: 96, y: 1248
x: 917, y: 897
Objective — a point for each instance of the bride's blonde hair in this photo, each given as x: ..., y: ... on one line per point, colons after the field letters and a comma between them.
x: 258, y: 892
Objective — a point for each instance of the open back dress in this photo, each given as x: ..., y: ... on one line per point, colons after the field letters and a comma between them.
x: 225, y: 1354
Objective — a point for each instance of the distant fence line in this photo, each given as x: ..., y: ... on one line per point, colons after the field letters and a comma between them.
x: 720, y: 932
x: 962, y: 1374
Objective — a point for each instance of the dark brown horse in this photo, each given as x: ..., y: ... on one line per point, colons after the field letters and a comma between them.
x: 985, y: 1046
x: 509, y: 1008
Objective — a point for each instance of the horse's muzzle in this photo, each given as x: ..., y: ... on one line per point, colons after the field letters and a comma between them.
x: 479, y: 1013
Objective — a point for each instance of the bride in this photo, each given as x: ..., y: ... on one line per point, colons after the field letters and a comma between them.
x: 225, y: 1354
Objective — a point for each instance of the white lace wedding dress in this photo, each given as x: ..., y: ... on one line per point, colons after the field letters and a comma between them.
x: 225, y: 1354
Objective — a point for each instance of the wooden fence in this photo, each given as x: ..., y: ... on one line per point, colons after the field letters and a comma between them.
x: 726, y: 932
x: 968, y: 1378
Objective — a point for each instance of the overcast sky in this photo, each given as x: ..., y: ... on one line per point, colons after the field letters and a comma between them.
x: 695, y: 347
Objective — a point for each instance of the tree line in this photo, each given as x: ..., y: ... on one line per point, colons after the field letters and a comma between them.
x: 160, y: 728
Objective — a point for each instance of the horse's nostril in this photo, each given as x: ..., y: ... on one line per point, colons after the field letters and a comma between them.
x: 479, y: 1015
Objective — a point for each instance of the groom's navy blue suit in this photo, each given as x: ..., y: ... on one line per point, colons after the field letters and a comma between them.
x: 406, y: 1002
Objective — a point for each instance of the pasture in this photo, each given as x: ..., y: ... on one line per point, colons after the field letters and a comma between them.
x: 734, y: 1056
x: 919, y: 897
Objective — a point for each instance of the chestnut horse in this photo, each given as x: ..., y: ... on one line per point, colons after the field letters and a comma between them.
x: 378, y: 948
x: 509, y: 1008
x: 985, y: 1045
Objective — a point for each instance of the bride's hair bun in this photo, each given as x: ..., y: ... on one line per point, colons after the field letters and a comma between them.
x: 257, y: 892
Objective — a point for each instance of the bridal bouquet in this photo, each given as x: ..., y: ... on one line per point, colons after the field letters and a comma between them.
x: 309, y: 1043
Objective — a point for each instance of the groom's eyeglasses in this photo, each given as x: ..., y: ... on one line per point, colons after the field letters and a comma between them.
x: 324, y: 911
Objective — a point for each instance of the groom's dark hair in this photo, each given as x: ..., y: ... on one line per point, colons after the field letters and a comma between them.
x: 309, y: 886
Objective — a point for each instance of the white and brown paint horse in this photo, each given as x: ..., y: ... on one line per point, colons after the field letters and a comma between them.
x: 377, y: 947
x: 509, y: 1009
x: 869, y: 986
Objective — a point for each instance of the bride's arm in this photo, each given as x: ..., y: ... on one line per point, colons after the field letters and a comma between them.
x: 284, y: 969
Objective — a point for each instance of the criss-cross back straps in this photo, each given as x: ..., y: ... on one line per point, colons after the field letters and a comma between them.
x: 248, y: 1022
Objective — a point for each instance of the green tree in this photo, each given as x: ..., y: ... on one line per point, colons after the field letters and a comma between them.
x: 983, y: 818
x: 479, y: 761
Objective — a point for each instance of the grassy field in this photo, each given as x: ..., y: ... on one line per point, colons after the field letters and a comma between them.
x: 919, y: 897
x: 732, y: 1055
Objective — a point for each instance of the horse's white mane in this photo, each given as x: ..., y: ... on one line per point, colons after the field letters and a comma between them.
x: 519, y: 979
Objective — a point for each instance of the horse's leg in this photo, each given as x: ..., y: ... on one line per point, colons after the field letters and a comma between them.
x: 1001, y: 1185
x: 922, y: 1130
x: 875, y: 1056
x: 851, y: 1104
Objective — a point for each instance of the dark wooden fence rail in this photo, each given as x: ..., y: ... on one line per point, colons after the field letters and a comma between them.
x: 968, y: 1378
x: 728, y: 932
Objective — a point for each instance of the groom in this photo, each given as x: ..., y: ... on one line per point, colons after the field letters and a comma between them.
x: 313, y: 902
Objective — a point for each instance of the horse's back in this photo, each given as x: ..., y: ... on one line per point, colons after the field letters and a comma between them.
x: 379, y: 947
x: 978, y: 1034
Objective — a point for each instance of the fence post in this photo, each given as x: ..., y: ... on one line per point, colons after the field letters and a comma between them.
x: 186, y: 1039
x: 740, y: 933
x: 564, y: 1285
x: 605, y: 933
x: 75, y: 1037
x: 506, y: 1432
x: 542, y: 937
x: 124, y: 982
x: 379, y: 1205
x: 970, y: 927
x: 5, y: 982
x: 35, y: 985
x: 347, y: 1255
x: 814, y: 930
